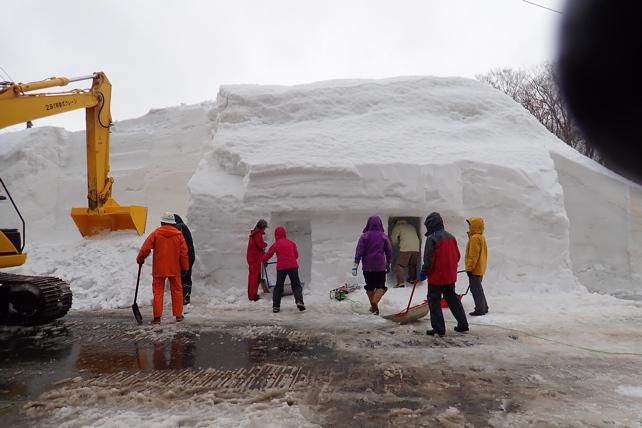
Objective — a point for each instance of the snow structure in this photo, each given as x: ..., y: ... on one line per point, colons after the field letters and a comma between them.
x: 319, y: 159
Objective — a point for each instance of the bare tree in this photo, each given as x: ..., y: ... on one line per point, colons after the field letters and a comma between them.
x: 537, y: 90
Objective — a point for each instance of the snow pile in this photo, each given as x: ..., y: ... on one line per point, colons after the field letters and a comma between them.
x: 319, y: 159
x: 152, y: 158
x: 108, y: 407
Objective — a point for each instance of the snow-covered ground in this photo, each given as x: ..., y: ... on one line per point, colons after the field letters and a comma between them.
x: 565, y: 235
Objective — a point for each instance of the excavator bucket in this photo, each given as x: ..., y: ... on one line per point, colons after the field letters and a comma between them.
x: 110, y: 217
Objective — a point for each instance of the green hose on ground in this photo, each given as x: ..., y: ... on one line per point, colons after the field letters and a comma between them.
x: 557, y: 342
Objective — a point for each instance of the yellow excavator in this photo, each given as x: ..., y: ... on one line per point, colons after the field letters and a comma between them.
x: 30, y: 300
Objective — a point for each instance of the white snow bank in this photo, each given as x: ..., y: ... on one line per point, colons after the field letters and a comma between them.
x: 152, y: 158
x: 322, y: 157
x: 319, y: 159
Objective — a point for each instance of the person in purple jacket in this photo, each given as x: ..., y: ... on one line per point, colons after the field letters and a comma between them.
x: 375, y: 250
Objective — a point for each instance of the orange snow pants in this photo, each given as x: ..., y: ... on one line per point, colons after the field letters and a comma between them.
x: 158, y: 284
x: 253, y: 277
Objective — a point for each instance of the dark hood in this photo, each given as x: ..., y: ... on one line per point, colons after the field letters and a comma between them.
x: 433, y: 223
x: 280, y: 232
x: 254, y: 232
x: 374, y: 224
x: 178, y: 219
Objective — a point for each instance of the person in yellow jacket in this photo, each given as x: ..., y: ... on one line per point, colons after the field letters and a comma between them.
x: 405, y: 236
x: 475, y: 259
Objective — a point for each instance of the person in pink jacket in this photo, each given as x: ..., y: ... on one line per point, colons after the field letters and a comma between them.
x: 286, y: 266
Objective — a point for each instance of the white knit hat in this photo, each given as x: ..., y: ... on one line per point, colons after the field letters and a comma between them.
x: 168, y: 218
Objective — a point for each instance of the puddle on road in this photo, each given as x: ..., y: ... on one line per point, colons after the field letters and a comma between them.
x: 215, y: 350
x: 34, y: 360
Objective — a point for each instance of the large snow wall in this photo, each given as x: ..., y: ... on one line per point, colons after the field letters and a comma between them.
x: 319, y: 159
x: 323, y: 157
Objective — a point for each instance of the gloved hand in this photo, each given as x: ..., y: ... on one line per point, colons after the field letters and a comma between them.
x: 354, y: 269
x: 140, y: 260
x: 388, y: 267
x: 422, y: 276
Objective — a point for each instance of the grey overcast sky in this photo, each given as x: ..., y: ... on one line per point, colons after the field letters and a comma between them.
x: 160, y: 53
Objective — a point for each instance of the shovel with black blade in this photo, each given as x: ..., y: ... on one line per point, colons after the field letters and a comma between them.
x: 137, y: 314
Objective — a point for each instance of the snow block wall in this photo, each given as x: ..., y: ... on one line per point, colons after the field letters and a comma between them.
x: 152, y: 158
x: 605, y: 213
x: 327, y: 155
x: 319, y: 159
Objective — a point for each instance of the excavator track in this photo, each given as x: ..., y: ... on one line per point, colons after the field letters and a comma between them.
x: 32, y: 300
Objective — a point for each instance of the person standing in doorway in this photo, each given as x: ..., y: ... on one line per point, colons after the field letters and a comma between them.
x: 254, y: 256
x: 170, y: 258
x: 186, y: 276
x: 475, y: 259
x: 375, y: 251
x: 441, y: 256
x: 405, y: 236
x: 286, y: 266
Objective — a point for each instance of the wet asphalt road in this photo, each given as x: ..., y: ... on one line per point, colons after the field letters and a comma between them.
x: 355, y: 377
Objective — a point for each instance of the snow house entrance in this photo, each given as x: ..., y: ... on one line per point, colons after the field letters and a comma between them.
x: 416, y: 223
x: 299, y: 231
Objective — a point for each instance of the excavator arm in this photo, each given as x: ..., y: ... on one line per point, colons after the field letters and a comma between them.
x: 18, y: 104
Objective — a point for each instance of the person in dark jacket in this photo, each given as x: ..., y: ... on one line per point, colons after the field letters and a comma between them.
x: 375, y: 250
x: 186, y: 276
x: 254, y: 256
x: 286, y: 266
x: 441, y: 256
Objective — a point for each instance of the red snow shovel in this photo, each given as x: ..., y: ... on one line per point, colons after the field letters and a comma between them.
x: 410, y: 314
x: 443, y: 302
x: 137, y: 314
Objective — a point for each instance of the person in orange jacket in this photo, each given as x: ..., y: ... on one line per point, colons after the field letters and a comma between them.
x: 170, y: 259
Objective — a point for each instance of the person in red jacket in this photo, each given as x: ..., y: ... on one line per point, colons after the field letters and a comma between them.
x: 286, y: 265
x: 254, y: 256
x: 170, y: 259
x: 441, y: 256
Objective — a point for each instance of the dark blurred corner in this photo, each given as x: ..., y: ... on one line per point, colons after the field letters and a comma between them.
x: 600, y: 66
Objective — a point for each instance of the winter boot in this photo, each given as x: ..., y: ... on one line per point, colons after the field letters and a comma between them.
x: 370, y: 294
x: 276, y: 309
x: 155, y: 320
x: 301, y: 306
x: 378, y: 294
x: 433, y: 332
x: 461, y: 329
x: 180, y: 318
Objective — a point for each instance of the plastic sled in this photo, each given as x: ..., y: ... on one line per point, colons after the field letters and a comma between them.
x: 287, y: 291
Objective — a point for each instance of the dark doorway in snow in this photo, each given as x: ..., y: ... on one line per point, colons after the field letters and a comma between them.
x: 414, y: 221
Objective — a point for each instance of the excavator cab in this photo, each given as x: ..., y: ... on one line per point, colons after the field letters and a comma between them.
x: 11, y: 244
x: 27, y: 300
